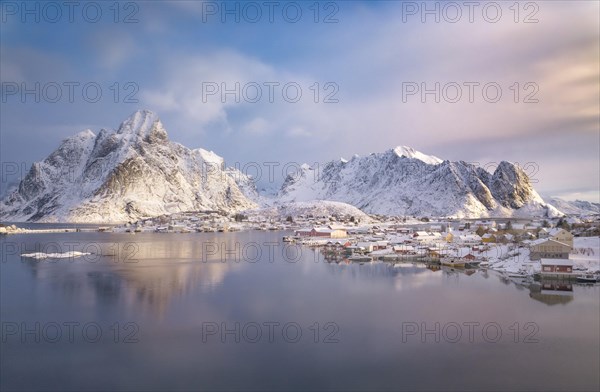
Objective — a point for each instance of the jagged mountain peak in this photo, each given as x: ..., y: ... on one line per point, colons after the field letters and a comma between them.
x: 146, y: 124
x: 409, y: 152
x: 85, y: 134
x: 508, y: 169
x: 126, y: 175
x: 210, y: 157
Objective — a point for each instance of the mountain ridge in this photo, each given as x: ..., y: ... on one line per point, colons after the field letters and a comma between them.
x: 416, y: 184
x: 136, y: 172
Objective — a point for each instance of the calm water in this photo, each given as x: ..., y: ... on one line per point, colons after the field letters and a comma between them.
x: 163, y: 312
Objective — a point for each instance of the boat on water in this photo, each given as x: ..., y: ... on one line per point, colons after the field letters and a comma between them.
x: 452, y: 262
x: 516, y: 275
x: 588, y: 278
x: 359, y: 259
x: 288, y: 239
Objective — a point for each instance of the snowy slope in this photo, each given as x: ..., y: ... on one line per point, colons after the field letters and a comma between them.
x: 409, y: 152
x: 128, y: 174
x: 577, y: 207
x: 316, y: 208
x: 403, y: 181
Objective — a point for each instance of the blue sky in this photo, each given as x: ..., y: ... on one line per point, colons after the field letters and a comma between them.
x: 366, y: 60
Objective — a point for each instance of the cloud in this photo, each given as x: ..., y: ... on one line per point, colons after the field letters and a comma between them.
x: 559, y: 62
x: 257, y: 126
x: 369, y: 56
x: 31, y: 64
x: 113, y: 48
x: 298, y: 132
x: 234, y: 91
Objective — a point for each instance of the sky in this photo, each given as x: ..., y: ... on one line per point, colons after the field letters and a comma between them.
x: 283, y: 83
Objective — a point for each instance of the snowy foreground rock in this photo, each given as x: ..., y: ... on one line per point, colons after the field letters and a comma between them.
x: 128, y: 174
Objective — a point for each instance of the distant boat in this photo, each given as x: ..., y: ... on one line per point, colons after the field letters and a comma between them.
x: 516, y: 275
x: 359, y: 259
x: 452, y: 262
x: 588, y: 278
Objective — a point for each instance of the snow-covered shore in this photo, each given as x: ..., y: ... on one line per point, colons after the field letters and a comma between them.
x: 511, y: 259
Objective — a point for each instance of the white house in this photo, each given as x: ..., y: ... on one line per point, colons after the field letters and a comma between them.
x: 468, y: 239
x: 372, y: 244
x: 561, y: 235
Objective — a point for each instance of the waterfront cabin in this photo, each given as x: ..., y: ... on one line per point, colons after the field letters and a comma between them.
x: 559, y: 267
x: 322, y: 232
x: 469, y: 257
x: 403, y: 249
x: 368, y: 246
x: 379, y: 245
x: 337, y: 245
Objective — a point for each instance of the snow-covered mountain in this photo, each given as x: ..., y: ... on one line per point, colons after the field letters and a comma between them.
x: 128, y: 174
x: 577, y: 207
x: 137, y: 172
x: 402, y: 181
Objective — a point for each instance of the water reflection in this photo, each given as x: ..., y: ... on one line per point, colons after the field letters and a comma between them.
x: 402, y: 275
x: 172, y: 289
x: 377, y: 269
x: 552, y: 292
x: 160, y: 272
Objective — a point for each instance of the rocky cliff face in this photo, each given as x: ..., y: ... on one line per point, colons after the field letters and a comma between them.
x: 402, y: 181
x: 133, y: 173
